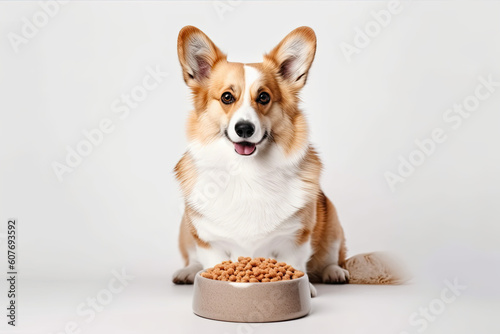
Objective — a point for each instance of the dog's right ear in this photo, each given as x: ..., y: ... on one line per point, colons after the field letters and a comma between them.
x: 197, y: 55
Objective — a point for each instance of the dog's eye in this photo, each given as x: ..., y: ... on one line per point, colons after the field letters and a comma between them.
x: 227, y: 98
x: 264, y: 98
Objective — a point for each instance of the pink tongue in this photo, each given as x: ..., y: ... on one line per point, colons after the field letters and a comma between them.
x: 244, y: 149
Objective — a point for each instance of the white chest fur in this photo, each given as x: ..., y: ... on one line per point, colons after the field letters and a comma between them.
x: 245, y: 201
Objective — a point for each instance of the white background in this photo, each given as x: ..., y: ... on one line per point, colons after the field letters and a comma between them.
x: 121, y: 207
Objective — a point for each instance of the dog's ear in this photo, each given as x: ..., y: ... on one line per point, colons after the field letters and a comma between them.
x: 294, y: 55
x: 197, y: 55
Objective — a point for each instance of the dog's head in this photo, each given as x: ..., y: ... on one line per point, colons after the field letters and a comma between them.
x: 249, y: 107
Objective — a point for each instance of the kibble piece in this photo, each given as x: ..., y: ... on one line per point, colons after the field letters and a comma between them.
x: 299, y: 273
x: 252, y: 270
x: 206, y: 275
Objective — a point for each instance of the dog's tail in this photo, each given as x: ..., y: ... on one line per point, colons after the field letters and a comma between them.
x: 375, y: 268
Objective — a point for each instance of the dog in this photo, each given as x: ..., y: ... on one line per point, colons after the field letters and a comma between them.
x: 250, y: 177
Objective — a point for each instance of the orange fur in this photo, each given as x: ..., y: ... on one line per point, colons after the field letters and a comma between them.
x: 188, y: 236
x: 320, y: 223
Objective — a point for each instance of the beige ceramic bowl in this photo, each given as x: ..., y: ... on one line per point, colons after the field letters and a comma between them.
x: 251, y: 302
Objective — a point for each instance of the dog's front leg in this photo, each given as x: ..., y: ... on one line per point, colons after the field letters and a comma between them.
x: 296, y: 256
x: 211, y: 256
x: 202, y: 257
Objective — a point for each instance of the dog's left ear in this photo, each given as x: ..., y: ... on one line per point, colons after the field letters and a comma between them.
x: 294, y: 55
x: 197, y: 55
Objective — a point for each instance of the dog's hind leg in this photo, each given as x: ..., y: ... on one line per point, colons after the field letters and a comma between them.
x: 187, y: 246
x: 326, y: 264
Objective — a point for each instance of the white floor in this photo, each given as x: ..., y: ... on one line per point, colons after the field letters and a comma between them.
x: 156, y: 306
x: 121, y: 207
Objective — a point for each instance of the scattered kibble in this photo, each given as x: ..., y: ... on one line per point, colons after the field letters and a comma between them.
x: 251, y: 270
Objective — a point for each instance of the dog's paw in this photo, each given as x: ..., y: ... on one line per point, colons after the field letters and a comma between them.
x: 314, y: 292
x: 186, y: 275
x: 333, y: 274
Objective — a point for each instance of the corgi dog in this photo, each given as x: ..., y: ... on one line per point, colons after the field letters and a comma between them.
x: 250, y: 177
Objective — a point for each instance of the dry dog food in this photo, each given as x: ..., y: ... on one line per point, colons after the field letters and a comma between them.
x: 252, y: 270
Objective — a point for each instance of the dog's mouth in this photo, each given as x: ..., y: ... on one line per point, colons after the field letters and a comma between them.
x: 245, y: 147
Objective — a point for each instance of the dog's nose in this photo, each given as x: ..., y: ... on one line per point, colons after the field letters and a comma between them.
x: 244, y: 129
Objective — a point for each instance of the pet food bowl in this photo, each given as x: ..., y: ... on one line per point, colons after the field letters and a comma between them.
x: 251, y: 302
